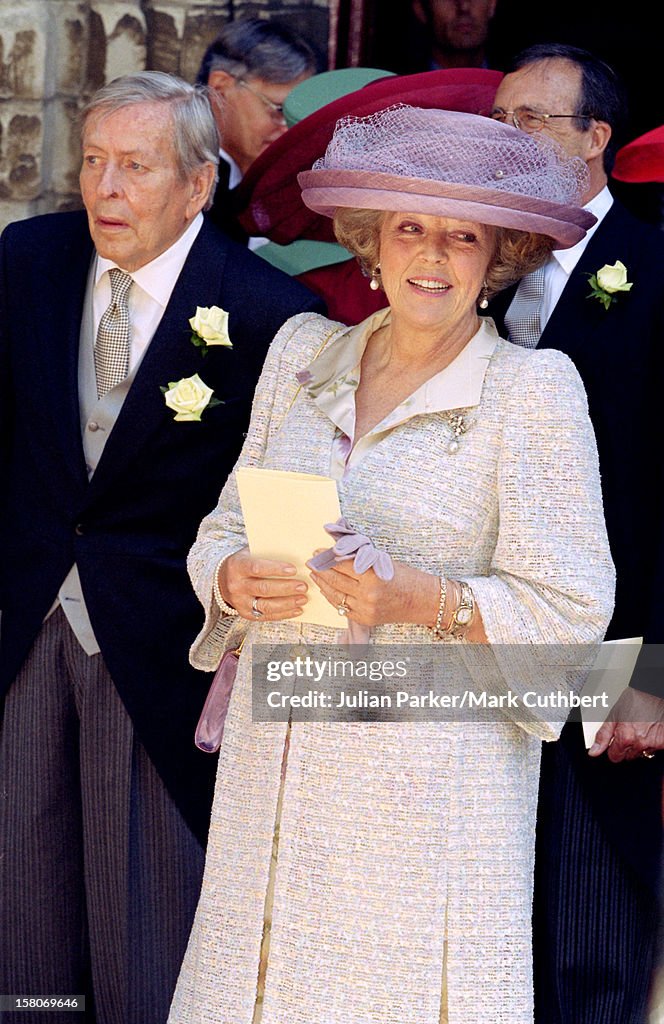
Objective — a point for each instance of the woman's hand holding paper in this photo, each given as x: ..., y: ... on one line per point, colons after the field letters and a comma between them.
x: 261, y: 588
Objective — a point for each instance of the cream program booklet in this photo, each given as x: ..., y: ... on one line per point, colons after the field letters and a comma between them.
x: 610, y: 674
x: 284, y: 516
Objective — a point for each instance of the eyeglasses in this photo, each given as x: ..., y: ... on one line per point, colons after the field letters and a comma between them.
x: 529, y: 120
x: 275, y: 110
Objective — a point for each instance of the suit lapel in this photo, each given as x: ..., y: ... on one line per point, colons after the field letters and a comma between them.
x: 170, y: 356
x: 64, y: 286
x: 576, y: 316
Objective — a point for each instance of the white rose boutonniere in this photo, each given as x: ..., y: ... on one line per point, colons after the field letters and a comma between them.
x: 210, y: 327
x: 607, y: 282
x: 188, y: 398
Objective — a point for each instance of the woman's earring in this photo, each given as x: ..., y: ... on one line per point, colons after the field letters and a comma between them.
x: 484, y: 300
x: 374, y: 283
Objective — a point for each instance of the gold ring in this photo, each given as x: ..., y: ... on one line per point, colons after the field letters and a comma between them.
x: 341, y: 609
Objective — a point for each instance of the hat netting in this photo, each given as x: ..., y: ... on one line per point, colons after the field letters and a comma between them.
x: 449, y: 146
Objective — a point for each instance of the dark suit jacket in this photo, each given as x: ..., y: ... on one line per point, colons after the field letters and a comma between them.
x: 128, y: 529
x: 619, y: 354
x: 223, y: 212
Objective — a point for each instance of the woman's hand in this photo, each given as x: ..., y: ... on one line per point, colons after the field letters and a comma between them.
x: 261, y: 588
x: 411, y: 596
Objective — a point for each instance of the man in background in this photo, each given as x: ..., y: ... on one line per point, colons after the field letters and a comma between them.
x: 457, y: 31
x: 250, y: 69
x: 599, y: 821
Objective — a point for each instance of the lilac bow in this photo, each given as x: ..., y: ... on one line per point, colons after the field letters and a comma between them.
x: 365, y: 555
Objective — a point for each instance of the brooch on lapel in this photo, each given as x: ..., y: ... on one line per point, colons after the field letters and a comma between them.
x: 607, y: 282
x: 458, y: 424
x: 189, y: 398
x: 209, y: 327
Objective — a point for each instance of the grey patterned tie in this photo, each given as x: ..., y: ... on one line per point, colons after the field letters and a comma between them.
x: 523, y: 317
x: 112, y: 345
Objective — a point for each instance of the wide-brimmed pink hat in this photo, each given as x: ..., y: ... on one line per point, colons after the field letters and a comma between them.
x: 451, y: 164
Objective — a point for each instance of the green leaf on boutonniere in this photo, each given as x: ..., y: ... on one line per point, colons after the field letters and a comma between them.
x: 200, y: 343
x: 598, y: 293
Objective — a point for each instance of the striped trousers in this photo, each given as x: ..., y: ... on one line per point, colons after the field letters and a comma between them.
x: 595, y: 921
x: 99, y: 874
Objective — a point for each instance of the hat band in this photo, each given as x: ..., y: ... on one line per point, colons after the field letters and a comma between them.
x: 325, y: 190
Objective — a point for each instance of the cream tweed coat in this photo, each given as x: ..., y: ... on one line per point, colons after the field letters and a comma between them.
x: 398, y: 841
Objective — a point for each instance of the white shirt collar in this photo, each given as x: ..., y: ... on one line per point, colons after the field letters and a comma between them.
x: 235, y: 176
x: 599, y: 206
x: 157, y: 278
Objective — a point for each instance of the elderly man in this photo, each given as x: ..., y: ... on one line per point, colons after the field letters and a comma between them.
x: 599, y: 824
x: 117, y: 433
x: 250, y: 69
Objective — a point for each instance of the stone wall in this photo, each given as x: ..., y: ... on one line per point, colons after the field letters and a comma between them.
x: 55, y: 53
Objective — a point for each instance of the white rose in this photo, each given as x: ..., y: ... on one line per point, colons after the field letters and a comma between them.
x: 613, y: 279
x: 188, y: 398
x: 212, y: 325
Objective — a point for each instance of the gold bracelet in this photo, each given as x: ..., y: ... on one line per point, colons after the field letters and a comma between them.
x: 224, y: 608
x: 437, y: 628
x: 463, y: 614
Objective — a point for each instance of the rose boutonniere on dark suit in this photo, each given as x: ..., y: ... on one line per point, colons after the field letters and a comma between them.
x: 189, y: 398
x: 607, y: 282
x: 209, y: 327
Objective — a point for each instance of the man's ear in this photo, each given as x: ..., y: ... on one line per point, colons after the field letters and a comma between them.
x: 202, y: 184
x: 600, y: 134
x: 220, y: 81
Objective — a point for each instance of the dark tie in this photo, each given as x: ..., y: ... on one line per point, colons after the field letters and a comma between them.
x: 523, y: 317
x: 112, y: 345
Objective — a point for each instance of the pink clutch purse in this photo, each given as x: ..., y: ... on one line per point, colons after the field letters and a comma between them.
x: 210, y: 728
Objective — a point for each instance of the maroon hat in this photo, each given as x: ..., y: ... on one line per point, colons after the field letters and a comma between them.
x: 642, y: 159
x: 269, y: 197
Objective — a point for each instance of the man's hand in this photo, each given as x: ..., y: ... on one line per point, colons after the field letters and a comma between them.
x: 634, y: 726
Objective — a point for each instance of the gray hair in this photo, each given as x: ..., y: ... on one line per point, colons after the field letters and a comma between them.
x: 195, y: 134
x: 255, y: 48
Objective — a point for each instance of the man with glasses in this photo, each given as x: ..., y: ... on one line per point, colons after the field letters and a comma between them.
x: 250, y: 68
x: 599, y: 824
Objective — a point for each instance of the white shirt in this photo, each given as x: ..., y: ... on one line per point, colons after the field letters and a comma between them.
x: 149, y: 294
x: 562, y: 261
x: 235, y: 176
x: 234, y: 179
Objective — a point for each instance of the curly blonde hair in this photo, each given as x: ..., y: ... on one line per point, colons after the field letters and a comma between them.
x: 516, y: 253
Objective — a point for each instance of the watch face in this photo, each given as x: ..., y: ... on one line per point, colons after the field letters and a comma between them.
x: 463, y: 616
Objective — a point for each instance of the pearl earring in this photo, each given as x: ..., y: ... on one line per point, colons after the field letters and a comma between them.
x: 374, y: 283
x: 484, y: 301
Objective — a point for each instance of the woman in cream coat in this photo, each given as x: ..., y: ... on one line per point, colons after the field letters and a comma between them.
x: 382, y: 873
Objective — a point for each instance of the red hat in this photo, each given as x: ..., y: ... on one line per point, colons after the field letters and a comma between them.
x: 642, y: 159
x: 269, y: 197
